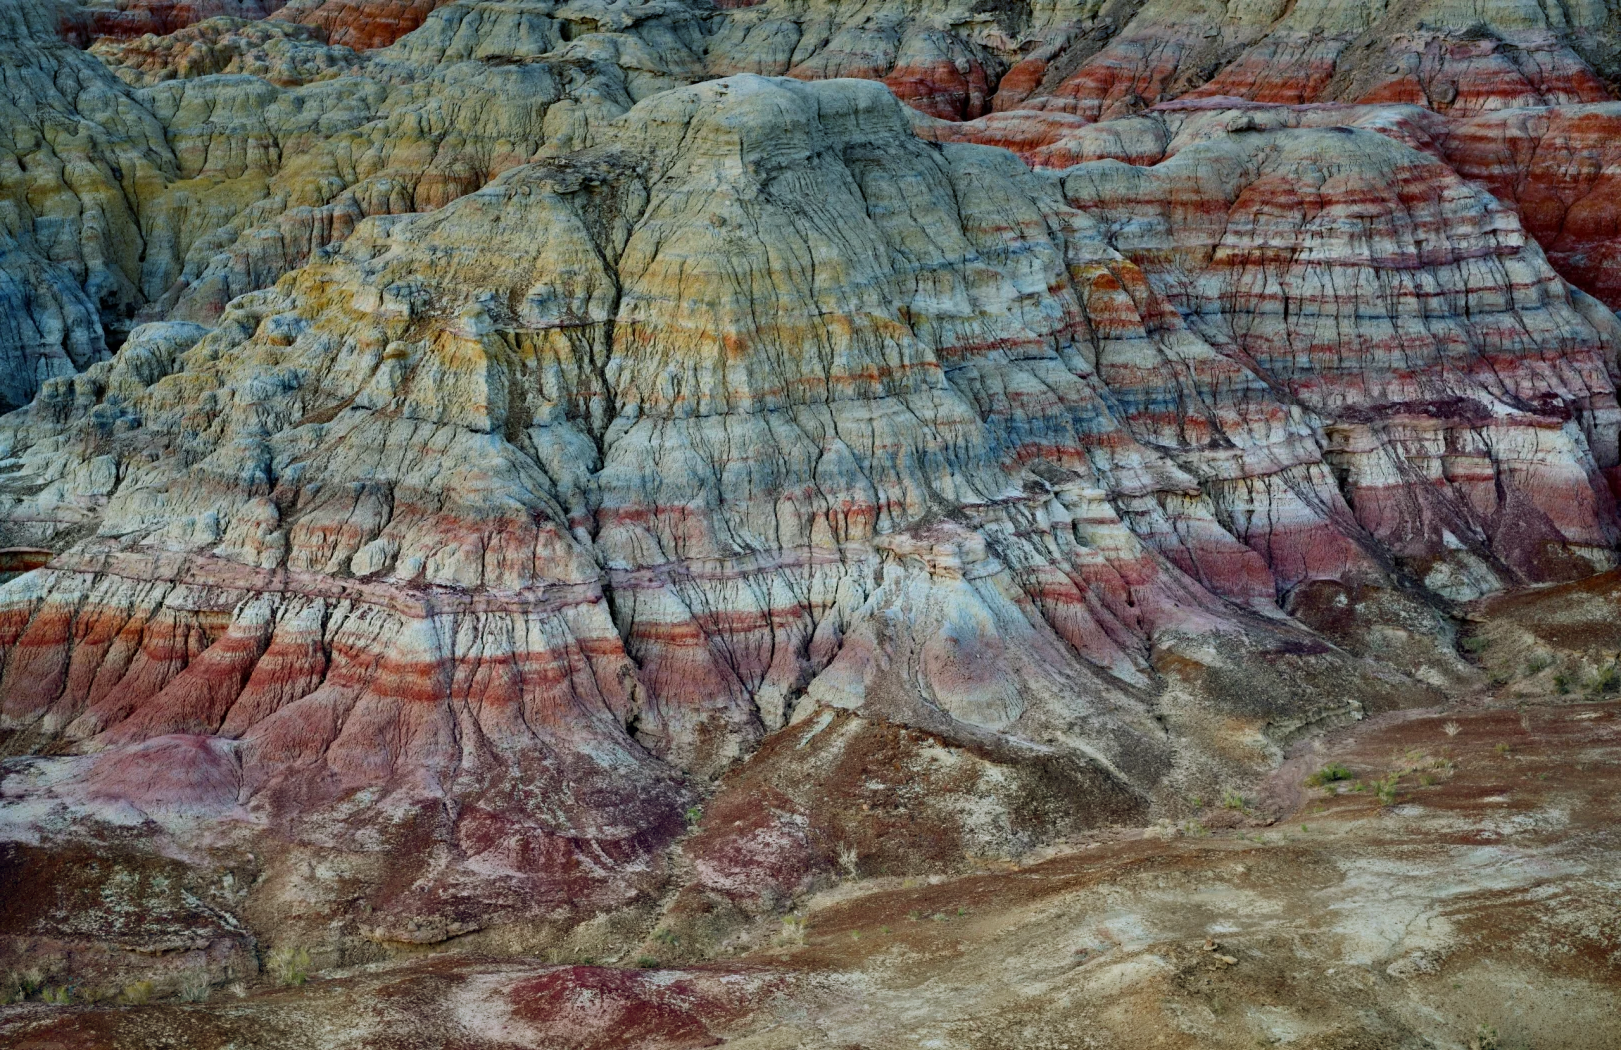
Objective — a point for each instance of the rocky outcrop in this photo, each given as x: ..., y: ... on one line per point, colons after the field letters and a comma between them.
x: 137, y: 18
x: 943, y: 59
x: 619, y: 445
x: 466, y: 95
x: 1105, y: 60
x: 75, y: 152
x: 529, y: 498
x: 1296, y: 224
x: 1376, y: 176
x: 1061, y: 84
x: 459, y: 451
x: 362, y: 26
x: 285, y: 54
x: 475, y: 91
x: 244, y: 148
x: 1556, y: 166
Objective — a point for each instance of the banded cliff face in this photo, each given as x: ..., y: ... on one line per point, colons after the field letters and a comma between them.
x: 635, y: 455
x: 455, y: 448
x: 484, y: 517
x: 1034, y: 78
x: 285, y: 54
x: 1319, y: 258
x: 361, y: 26
x: 344, y: 118
x: 1100, y: 60
x: 236, y: 150
x: 1556, y: 165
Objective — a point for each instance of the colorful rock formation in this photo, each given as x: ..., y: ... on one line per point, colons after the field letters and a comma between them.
x: 1049, y: 72
x: 463, y: 436
x: 139, y: 18
x: 285, y: 54
x: 359, y: 25
x: 1557, y: 167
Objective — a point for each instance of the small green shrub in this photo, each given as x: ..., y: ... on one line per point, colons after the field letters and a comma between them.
x: 59, y: 996
x: 137, y: 994
x: 647, y: 962
x: 1385, y: 790
x: 1561, y: 683
x: 17, y: 987
x: 1538, y: 663
x: 1329, y: 774
x: 1476, y: 644
x: 1233, y: 800
x: 289, y: 966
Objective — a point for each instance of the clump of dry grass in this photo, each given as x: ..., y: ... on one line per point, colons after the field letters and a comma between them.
x: 288, y: 965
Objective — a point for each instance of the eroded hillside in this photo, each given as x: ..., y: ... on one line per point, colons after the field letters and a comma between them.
x: 520, y: 480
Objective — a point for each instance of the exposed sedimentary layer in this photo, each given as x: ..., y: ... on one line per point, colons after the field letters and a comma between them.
x: 237, y: 150
x: 457, y: 438
x: 1038, y: 74
x: 286, y: 54
x: 246, y: 179
x: 1557, y: 167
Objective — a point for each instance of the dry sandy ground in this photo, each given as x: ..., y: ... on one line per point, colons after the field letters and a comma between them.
x: 1477, y: 904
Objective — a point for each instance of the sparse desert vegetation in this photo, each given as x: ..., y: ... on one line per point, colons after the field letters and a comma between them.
x: 1331, y: 773
x: 288, y: 965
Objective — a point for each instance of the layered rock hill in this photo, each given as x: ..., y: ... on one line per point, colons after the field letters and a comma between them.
x: 1100, y: 59
x: 463, y: 463
x: 1037, y: 74
x: 130, y: 203
x: 286, y: 54
x: 356, y: 25
x: 251, y: 177
x: 1557, y: 166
